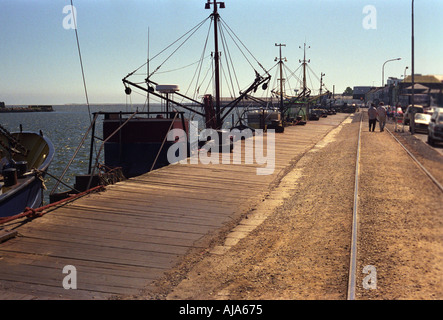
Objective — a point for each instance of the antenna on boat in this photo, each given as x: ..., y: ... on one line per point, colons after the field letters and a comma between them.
x: 216, y: 18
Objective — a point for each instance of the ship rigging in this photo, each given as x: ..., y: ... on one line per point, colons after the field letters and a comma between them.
x: 211, y: 106
x: 296, y: 99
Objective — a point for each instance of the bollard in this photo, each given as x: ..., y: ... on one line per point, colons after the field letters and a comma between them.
x: 10, y: 177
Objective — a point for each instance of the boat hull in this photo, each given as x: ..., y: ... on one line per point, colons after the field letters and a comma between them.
x: 28, y: 191
x: 29, y: 195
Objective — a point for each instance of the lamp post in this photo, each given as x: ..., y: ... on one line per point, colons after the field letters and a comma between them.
x: 412, y: 58
x: 412, y: 124
x: 383, y: 71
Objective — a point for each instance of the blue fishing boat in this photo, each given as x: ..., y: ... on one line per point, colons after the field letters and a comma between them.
x: 24, y: 160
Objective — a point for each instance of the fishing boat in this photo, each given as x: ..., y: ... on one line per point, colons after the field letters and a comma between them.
x: 297, y: 109
x: 140, y: 144
x: 25, y: 159
x: 264, y: 118
x: 137, y: 142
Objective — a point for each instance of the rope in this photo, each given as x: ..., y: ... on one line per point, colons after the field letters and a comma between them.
x: 103, y: 144
x: 38, y: 212
x: 199, y: 68
x: 228, y: 28
x: 193, y: 30
x: 59, y: 180
x: 81, y: 62
x: 13, y: 143
x: 164, y: 140
x: 228, y: 61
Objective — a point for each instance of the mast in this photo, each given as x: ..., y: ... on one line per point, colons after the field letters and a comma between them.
x: 216, y: 17
x: 304, y: 91
x: 147, y: 75
x: 219, y: 117
x: 321, y: 83
x: 280, y: 61
x: 304, y: 62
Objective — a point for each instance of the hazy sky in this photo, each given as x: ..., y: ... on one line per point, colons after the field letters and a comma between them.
x: 39, y: 62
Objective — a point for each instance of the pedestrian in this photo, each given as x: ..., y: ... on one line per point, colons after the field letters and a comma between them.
x: 398, y: 116
x: 3, y: 161
x: 372, y: 113
x: 381, y: 116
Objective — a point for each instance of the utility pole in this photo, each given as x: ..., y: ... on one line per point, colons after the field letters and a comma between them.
x: 412, y: 124
x: 412, y: 54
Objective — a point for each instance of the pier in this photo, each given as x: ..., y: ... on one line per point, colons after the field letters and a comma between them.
x: 126, y: 237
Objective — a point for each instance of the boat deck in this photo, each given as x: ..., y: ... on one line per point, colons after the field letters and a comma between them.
x: 122, y: 239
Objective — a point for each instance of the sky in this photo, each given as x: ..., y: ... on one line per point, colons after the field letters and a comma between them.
x: 349, y: 40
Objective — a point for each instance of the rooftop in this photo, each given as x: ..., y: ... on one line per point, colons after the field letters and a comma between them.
x: 418, y: 78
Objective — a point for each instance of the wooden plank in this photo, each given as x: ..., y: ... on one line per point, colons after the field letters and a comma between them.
x: 90, y: 280
x: 90, y: 252
x: 7, y: 234
x: 14, y: 258
x: 45, y: 292
x: 185, y: 226
x: 153, y: 233
x: 8, y: 295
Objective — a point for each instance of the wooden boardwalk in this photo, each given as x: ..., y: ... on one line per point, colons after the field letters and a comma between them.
x: 122, y: 239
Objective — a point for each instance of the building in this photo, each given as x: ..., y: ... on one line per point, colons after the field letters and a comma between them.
x: 2, y: 104
x: 359, y: 93
x: 428, y: 91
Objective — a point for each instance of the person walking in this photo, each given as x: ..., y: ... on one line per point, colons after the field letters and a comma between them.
x: 372, y: 114
x: 381, y: 116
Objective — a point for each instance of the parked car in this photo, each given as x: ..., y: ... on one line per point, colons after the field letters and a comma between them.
x: 431, y: 110
x: 422, y: 122
x: 410, y: 111
x: 435, y: 128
